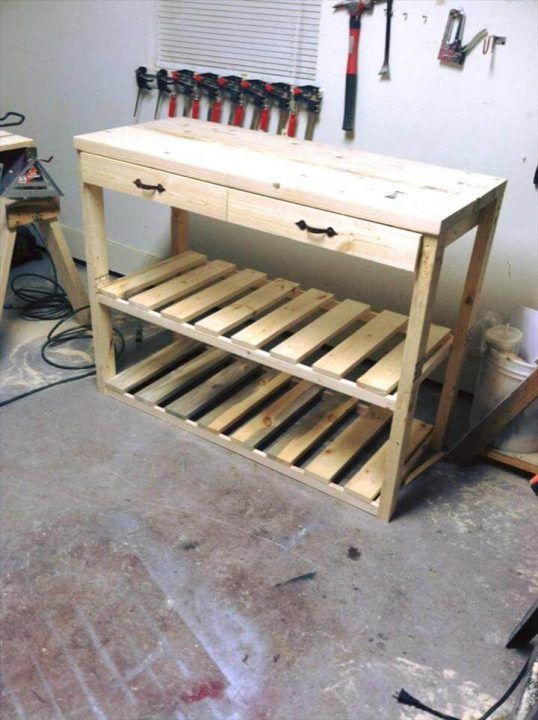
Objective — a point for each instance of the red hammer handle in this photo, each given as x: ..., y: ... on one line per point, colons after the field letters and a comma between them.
x: 352, y: 72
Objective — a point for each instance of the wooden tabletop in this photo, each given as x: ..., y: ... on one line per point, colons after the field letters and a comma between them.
x: 8, y: 141
x: 402, y: 193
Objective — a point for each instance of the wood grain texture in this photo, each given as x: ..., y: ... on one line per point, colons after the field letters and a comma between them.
x: 250, y: 306
x: 320, y: 331
x: 146, y: 369
x: 245, y: 401
x: 361, y: 344
x: 182, y: 285
x: 209, y: 391
x: 361, y: 185
x: 136, y: 282
x: 385, y: 375
x: 311, y: 428
x: 162, y: 389
x: 282, y: 410
x: 270, y: 326
x: 348, y: 443
x: 367, y: 482
x: 215, y: 295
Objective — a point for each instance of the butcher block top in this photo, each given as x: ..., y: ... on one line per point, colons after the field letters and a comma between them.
x: 401, y: 193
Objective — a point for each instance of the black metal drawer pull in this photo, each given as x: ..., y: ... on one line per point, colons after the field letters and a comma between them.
x: 143, y: 186
x: 329, y: 231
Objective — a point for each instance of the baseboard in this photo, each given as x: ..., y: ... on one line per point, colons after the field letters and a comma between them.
x: 122, y: 258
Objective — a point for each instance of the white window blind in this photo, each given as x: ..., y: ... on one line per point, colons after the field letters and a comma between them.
x: 272, y: 39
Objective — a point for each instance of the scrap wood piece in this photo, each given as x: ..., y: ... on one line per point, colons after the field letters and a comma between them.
x: 491, y: 425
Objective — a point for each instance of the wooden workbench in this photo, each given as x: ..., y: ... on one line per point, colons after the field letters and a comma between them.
x: 320, y: 388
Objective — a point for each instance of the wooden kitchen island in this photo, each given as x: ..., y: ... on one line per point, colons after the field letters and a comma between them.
x: 320, y: 388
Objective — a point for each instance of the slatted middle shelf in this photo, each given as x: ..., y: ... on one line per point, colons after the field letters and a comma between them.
x: 341, y: 345
x: 319, y: 436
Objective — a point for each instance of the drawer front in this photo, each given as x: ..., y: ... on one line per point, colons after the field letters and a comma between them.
x: 174, y: 190
x: 351, y: 236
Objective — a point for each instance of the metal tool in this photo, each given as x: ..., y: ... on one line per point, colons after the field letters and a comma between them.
x: 255, y: 91
x: 384, y: 73
x: 355, y: 10
x: 310, y: 97
x: 25, y: 177
x: 164, y: 88
x: 231, y: 87
x: 452, y: 51
x: 144, y: 82
x: 280, y: 95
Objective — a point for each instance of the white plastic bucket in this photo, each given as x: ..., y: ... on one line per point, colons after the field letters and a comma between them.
x: 499, y: 375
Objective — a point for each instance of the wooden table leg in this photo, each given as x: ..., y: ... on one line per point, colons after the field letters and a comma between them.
x: 467, y: 311
x: 418, y: 327
x: 97, y: 259
x: 179, y: 227
x: 67, y: 272
x: 7, y: 244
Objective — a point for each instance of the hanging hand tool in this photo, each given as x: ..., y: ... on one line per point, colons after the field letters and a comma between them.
x: 208, y: 83
x: 280, y: 94
x: 144, y: 81
x: 355, y: 10
x: 164, y: 87
x: 384, y: 73
x: 231, y: 86
x: 172, y: 105
x: 255, y: 90
x: 452, y: 51
x: 310, y: 96
x: 184, y: 84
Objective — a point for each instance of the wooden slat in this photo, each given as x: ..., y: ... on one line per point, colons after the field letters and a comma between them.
x: 384, y: 376
x: 368, y: 480
x: 348, y: 443
x: 215, y: 295
x: 244, y: 401
x: 313, y: 336
x: 362, y: 343
x: 156, y: 363
x: 213, y: 388
x: 163, y: 388
x: 270, y: 326
x: 178, y: 287
x: 266, y: 422
x: 311, y: 428
x: 246, y: 308
x: 136, y: 282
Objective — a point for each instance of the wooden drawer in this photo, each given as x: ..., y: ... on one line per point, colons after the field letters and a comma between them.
x: 360, y: 238
x: 178, y: 191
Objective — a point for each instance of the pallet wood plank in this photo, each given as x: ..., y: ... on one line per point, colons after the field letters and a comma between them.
x: 214, y: 295
x: 136, y: 282
x: 311, y: 428
x: 317, y: 333
x: 246, y: 400
x: 266, y: 422
x: 340, y: 451
x: 214, y: 387
x: 152, y: 365
x: 270, y: 326
x: 250, y: 306
x: 384, y: 376
x: 160, y: 390
x: 178, y: 287
x: 360, y: 344
x: 366, y: 483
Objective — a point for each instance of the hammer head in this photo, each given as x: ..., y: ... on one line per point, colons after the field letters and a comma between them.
x: 353, y: 7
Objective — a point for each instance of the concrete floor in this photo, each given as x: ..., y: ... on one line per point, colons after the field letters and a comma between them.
x: 144, y: 575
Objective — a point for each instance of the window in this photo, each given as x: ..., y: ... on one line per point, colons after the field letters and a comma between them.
x: 273, y: 39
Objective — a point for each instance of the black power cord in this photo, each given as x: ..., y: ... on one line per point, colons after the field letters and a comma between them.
x: 52, y: 303
x: 405, y: 698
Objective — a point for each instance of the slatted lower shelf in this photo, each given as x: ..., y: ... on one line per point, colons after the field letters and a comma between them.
x: 340, y: 345
x: 325, y: 439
